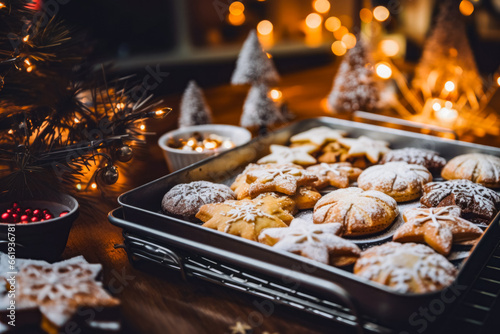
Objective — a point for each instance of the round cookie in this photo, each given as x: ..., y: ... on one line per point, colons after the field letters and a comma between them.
x: 478, y: 203
x: 400, y: 180
x: 476, y: 167
x: 407, y: 268
x: 416, y: 156
x: 360, y: 212
x: 187, y: 198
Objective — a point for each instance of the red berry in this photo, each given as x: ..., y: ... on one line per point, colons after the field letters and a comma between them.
x: 6, y: 217
x: 64, y: 213
x: 47, y: 217
x: 28, y: 212
x: 37, y: 213
x: 42, y: 220
x: 23, y: 222
x: 8, y: 211
x: 24, y: 217
x: 18, y: 210
x: 15, y: 205
x: 46, y: 211
x: 15, y: 217
x: 34, y: 219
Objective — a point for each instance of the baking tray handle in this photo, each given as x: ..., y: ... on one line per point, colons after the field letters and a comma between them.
x: 363, y: 115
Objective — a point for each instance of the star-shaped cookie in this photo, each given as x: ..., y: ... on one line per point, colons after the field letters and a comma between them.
x: 319, y: 242
x: 438, y: 227
x: 60, y: 290
x: 295, y: 155
x: 365, y: 146
x: 283, y: 178
x: 318, y: 136
x: 338, y: 175
x: 245, y: 218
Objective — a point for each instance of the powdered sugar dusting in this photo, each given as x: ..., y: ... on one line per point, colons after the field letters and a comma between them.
x: 417, y: 156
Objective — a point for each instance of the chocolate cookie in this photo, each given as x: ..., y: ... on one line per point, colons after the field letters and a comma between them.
x: 478, y: 203
x: 187, y: 198
x: 417, y: 156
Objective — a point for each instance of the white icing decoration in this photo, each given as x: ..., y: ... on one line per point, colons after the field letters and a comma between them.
x: 245, y: 211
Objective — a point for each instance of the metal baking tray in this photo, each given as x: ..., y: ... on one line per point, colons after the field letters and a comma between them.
x: 141, y: 216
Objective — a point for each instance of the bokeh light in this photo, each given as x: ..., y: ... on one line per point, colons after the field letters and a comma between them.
x: 380, y: 13
x: 332, y: 23
x: 340, y: 32
x: 365, y: 15
x: 389, y: 47
x: 383, y: 70
x: 466, y: 7
x: 339, y: 48
x: 349, y: 40
x: 449, y: 86
x: 321, y: 6
x: 236, y: 8
x: 265, y: 27
x: 313, y: 20
x: 236, y: 20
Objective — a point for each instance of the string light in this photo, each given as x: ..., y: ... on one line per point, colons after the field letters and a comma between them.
x: 265, y: 27
x: 321, y: 6
x: 26, y: 38
x: 142, y: 127
x: 383, y: 70
x: 447, y: 114
x: 236, y: 8
x: 436, y: 106
x: 76, y: 120
x: 498, y: 81
x: 120, y: 106
x: 339, y: 48
x: 27, y: 61
x: 269, y: 55
x: 11, y: 132
x: 78, y: 186
x: 380, y: 13
x: 449, y: 86
x: 466, y: 8
x: 389, y: 47
x: 1, y: 5
x: 93, y: 185
x: 365, y: 15
x: 332, y: 23
x: 313, y: 20
x: 349, y: 40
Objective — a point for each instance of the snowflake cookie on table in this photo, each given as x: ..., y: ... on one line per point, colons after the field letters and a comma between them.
x: 364, y: 146
x: 337, y: 175
x: 297, y: 155
x: 437, y: 227
x: 407, y: 268
x: 318, y: 136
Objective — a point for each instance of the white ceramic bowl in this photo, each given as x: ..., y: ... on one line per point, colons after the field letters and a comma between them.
x: 177, y: 159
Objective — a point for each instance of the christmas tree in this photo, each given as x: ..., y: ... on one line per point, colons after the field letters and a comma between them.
x: 259, y: 109
x: 447, y: 56
x: 354, y: 87
x: 253, y: 64
x: 61, y: 122
x: 194, y: 109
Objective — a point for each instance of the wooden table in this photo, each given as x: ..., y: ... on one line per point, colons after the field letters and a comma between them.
x: 163, y: 302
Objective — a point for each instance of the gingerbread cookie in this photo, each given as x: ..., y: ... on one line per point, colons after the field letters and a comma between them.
x: 283, y: 178
x: 240, y: 185
x: 437, y: 227
x: 400, y: 180
x: 478, y: 203
x: 316, y: 242
x: 365, y: 146
x: 187, y: 198
x: 407, y: 268
x: 59, y: 291
x: 245, y: 218
x: 296, y: 155
x: 476, y: 167
x: 338, y: 174
x: 318, y: 136
x: 416, y: 156
x: 361, y: 212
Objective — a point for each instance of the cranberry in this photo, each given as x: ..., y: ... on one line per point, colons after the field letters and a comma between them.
x: 15, y: 205
x: 34, y: 219
x: 6, y: 217
x: 28, y: 212
x: 15, y: 217
x: 64, y: 213
x: 37, y: 213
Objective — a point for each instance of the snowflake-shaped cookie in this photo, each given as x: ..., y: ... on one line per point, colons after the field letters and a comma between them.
x: 410, y: 268
x: 438, y: 227
x: 319, y: 242
x: 295, y: 155
x: 338, y: 174
x: 318, y: 136
x: 365, y: 146
x: 245, y: 218
x: 275, y: 177
x: 59, y: 290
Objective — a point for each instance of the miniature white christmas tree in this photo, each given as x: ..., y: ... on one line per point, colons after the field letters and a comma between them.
x: 194, y: 109
x: 259, y: 109
x: 354, y: 86
x: 253, y: 64
x: 447, y: 56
